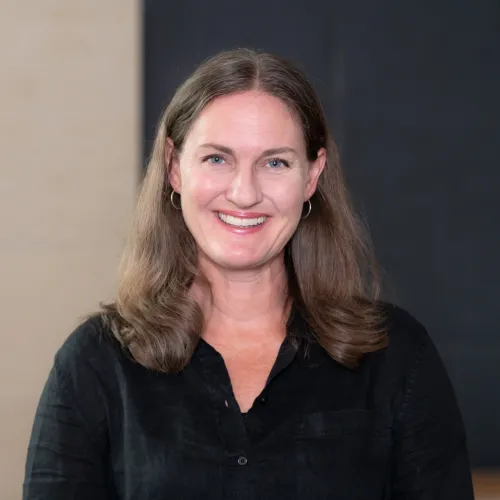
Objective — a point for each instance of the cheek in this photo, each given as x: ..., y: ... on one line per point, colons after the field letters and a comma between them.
x: 288, y: 198
x: 200, y: 189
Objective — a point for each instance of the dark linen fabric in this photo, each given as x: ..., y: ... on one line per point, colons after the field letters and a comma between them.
x: 107, y: 428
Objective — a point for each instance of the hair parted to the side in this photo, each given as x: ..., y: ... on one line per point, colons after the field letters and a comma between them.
x: 332, y: 273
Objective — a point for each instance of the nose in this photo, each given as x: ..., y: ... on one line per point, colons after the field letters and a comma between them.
x: 244, y: 190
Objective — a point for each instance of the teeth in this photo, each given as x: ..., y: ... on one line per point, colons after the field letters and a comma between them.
x: 239, y: 222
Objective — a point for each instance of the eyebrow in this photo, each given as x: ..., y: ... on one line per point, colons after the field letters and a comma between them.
x: 267, y: 152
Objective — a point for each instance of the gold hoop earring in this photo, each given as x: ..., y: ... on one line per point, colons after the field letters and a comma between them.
x: 172, y: 201
x: 309, y: 208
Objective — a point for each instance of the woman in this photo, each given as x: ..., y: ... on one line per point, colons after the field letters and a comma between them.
x: 246, y: 354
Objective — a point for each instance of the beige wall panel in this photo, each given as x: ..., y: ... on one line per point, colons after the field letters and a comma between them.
x: 69, y: 162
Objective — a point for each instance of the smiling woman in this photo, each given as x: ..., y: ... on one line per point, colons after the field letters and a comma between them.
x: 228, y: 167
x: 246, y: 354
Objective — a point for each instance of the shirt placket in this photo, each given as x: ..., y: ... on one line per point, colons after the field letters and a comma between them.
x: 237, y: 459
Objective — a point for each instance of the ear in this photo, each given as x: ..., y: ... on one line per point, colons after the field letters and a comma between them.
x: 315, y: 169
x: 172, y: 165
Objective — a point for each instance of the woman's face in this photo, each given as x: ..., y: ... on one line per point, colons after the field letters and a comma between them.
x: 243, y: 177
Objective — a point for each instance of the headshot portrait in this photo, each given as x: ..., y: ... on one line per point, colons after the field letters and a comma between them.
x: 247, y: 352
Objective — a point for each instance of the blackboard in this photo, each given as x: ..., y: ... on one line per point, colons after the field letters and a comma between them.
x: 411, y: 90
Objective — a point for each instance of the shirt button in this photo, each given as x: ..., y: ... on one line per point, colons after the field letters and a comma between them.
x: 242, y: 460
x: 263, y: 400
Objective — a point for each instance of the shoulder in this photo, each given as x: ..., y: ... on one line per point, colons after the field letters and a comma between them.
x: 407, y: 335
x: 92, y: 370
x: 90, y: 347
x: 410, y: 357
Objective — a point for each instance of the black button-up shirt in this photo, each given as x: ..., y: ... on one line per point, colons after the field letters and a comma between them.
x: 107, y: 428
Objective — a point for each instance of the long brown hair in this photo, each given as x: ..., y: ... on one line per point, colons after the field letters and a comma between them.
x: 333, y: 277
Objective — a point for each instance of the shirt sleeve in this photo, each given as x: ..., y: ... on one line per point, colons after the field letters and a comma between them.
x: 65, y: 455
x: 431, y: 459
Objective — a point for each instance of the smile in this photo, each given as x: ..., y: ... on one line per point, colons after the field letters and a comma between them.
x: 230, y: 220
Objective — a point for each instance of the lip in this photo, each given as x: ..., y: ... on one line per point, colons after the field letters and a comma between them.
x: 242, y: 215
x: 241, y: 230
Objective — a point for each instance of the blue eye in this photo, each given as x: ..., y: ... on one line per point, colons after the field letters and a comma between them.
x: 216, y: 160
x: 277, y: 163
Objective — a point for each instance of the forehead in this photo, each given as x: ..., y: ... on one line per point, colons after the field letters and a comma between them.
x: 248, y: 120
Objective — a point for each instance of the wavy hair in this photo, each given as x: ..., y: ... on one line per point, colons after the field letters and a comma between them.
x: 333, y: 279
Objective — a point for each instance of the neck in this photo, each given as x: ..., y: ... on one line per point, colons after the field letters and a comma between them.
x: 244, y: 306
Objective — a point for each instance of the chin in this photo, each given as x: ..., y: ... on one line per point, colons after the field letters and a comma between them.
x: 236, y: 258
x: 236, y: 261
x: 238, y: 264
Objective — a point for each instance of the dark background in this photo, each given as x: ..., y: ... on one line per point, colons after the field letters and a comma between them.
x: 411, y: 90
